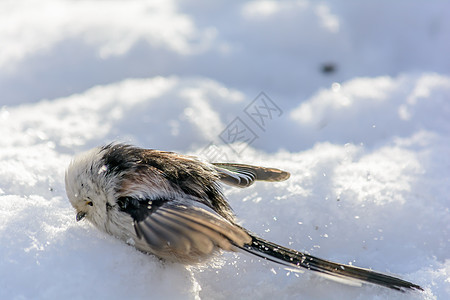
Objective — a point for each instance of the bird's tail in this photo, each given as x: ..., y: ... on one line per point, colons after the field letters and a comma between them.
x: 296, y: 260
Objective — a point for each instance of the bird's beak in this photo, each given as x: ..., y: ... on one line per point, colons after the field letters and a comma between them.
x: 80, y: 215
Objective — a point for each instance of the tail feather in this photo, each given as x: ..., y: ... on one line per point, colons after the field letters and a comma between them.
x: 298, y: 260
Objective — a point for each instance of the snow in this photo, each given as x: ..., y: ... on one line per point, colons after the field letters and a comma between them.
x: 367, y: 143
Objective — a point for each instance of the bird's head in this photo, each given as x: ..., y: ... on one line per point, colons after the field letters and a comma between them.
x: 89, y: 187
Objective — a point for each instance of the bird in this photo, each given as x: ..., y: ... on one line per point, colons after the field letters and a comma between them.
x: 172, y: 206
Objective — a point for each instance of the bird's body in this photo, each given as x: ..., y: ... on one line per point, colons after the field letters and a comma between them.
x: 171, y: 205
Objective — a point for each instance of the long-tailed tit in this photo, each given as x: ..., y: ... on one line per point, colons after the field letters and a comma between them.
x: 171, y: 205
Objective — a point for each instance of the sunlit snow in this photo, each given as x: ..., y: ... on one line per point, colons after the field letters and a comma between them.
x: 356, y: 105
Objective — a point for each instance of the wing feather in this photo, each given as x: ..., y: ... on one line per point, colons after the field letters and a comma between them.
x: 213, y: 236
x: 241, y: 175
x: 203, y: 242
x: 168, y: 233
x: 210, y: 221
x: 167, y: 226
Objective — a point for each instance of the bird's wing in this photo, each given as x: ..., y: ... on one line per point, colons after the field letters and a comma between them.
x: 167, y: 225
x: 241, y: 175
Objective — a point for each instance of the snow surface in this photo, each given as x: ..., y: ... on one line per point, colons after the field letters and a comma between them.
x: 368, y: 144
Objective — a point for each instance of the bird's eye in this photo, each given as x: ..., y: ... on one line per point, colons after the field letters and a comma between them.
x: 90, y: 203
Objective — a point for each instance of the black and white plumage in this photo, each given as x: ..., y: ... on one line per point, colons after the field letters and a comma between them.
x: 171, y: 205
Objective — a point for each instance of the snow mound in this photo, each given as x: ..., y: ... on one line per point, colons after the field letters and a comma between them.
x: 351, y: 97
x: 371, y: 196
